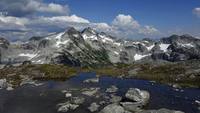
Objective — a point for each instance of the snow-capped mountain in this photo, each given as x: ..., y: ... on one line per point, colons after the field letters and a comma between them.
x: 90, y: 47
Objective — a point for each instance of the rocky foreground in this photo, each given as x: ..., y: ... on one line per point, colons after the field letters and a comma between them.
x: 134, y: 100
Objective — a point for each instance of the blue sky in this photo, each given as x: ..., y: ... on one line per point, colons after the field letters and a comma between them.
x: 134, y: 18
x: 164, y: 14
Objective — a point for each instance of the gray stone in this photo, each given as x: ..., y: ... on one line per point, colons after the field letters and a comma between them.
x: 112, y: 89
x: 3, y: 83
x: 64, y: 107
x: 115, y: 99
x: 93, y: 107
x: 163, y: 110
x: 77, y: 100
x: 138, y: 95
x: 90, y: 91
x: 131, y: 106
x: 67, y: 95
x: 91, y: 80
x: 102, y: 102
x: 113, y: 108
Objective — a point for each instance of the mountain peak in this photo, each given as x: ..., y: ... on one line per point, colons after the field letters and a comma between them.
x: 72, y: 30
x: 89, y: 30
x: 4, y: 43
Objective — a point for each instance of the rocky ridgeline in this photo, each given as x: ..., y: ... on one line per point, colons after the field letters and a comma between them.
x: 89, y: 47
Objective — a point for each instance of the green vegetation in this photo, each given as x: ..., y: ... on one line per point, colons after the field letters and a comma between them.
x: 59, y: 72
x: 183, y: 74
x: 170, y: 73
x: 15, y: 75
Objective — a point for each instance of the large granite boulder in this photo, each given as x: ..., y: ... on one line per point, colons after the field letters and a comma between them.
x: 138, y: 95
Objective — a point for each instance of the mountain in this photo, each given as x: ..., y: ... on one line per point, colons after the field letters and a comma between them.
x: 92, y: 48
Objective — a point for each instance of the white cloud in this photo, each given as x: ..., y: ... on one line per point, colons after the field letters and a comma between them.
x: 102, y: 27
x: 72, y: 18
x: 22, y: 8
x: 14, y: 20
x: 148, y: 30
x: 122, y: 26
x: 196, y: 11
x: 53, y: 8
x: 125, y: 21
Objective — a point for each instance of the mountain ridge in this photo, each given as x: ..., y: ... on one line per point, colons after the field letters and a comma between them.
x: 89, y: 47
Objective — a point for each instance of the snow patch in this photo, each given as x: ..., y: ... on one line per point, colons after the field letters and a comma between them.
x: 116, y: 52
x: 39, y: 62
x: 75, y: 35
x: 105, y: 39
x: 117, y: 43
x: 139, y: 57
x: 150, y: 47
x: 59, y: 42
x: 164, y: 47
x: 135, y: 43
x: 59, y: 36
x: 92, y: 37
x: 186, y: 45
x: 27, y: 55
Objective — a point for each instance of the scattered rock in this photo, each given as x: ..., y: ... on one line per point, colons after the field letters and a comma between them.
x: 163, y: 110
x: 67, y: 95
x: 64, y: 107
x: 112, y: 89
x: 176, y: 86
x: 197, y: 102
x: 102, y: 102
x: 138, y: 95
x: 91, y: 80
x: 3, y: 83
x: 115, y: 99
x: 9, y: 87
x: 77, y: 100
x: 114, y: 108
x: 93, y: 107
x: 131, y: 106
x: 64, y: 91
x: 90, y: 91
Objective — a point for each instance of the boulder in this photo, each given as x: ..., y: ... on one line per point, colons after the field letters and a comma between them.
x: 131, y: 106
x: 112, y: 89
x: 138, y: 95
x: 115, y: 99
x: 91, y: 80
x: 77, y: 100
x: 3, y: 83
x: 93, y: 107
x: 163, y: 110
x: 67, y: 95
x: 90, y: 91
x: 64, y: 107
x: 114, y: 108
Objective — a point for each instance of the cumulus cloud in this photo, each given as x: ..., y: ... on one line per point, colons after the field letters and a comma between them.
x: 196, y: 11
x: 101, y: 27
x: 125, y: 21
x: 72, y: 18
x: 148, y: 30
x: 14, y: 20
x: 121, y: 26
x: 21, y: 8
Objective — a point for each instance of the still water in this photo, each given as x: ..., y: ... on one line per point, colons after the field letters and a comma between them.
x: 44, y: 98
